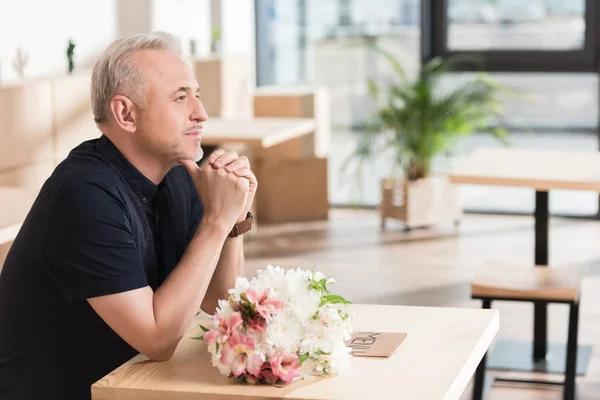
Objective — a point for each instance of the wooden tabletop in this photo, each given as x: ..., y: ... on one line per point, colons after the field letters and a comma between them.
x: 14, y: 206
x: 436, y: 360
x: 538, y: 169
x: 258, y: 131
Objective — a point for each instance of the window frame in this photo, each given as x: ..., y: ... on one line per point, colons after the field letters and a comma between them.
x: 434, y: 36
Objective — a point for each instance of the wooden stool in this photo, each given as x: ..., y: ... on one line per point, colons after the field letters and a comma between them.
x: 538, y: 285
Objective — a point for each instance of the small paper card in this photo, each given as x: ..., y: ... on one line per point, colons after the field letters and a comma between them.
x: 375, y: 344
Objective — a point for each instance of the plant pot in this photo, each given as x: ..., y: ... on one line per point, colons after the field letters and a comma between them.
x: 420, y: 203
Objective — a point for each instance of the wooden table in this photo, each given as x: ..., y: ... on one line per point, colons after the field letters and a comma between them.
x: 542, y: 171
x: 436, y: 360
x: 256, y: 132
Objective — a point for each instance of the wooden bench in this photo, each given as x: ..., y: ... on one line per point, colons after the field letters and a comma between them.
x: 538, y: 285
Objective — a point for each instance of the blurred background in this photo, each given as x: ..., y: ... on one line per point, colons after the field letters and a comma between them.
x: 319, y: 42
x: 293, y: 82
x: 314, y: 42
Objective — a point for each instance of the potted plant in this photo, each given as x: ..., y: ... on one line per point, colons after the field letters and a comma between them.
x: 416, y: 121
x: 215, y: 40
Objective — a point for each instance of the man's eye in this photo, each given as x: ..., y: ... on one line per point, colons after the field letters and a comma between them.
x: 181, y: 98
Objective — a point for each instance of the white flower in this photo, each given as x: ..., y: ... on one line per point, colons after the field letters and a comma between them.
x: 224, y: 369
x: 241, y: 285
x: 301, y: 321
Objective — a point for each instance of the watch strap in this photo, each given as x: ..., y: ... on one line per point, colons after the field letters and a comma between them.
x: 242, y: 227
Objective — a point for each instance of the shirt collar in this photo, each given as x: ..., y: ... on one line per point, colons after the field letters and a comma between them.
x: 144, y: 188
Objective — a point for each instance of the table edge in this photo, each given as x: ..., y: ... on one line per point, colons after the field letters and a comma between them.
x: 467, y: 372
x: 537, y: 184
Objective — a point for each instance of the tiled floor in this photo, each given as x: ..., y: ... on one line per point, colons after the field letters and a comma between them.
x: 434, y: 267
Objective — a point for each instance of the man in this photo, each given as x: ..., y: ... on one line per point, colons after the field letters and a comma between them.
x: 129, y: 238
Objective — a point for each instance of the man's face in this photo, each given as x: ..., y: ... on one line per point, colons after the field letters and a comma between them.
x: 171, y: 123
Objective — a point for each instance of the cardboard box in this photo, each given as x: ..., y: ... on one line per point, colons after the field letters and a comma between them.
x: 291, y: 190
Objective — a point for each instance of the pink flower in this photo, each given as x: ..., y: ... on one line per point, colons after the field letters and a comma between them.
x: 265, y: 306
x: 239, y: 354
x: 285, y: 366
x: 226, y: 327
x: 253, y: 380
x: 257, y: 324
x: 267, y: 375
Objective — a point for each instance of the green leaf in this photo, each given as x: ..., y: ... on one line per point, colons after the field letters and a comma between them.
x: 314, y: 285
x: 417, y: 120
x: 395, y: 63
x: 205, y: 329
x: 373, y: 88
x: 302, y: 358
x: 198, y: 338
x: 334, y: 299
x: 323, y: 285
x: 344, y: 315
x: 217, y: 349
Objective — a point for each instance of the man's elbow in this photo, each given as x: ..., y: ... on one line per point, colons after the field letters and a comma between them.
x: 160, y: 351
x: 159, y: 354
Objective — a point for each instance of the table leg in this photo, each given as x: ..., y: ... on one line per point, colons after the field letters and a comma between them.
x: 537, y: 356
x: 540, y: 324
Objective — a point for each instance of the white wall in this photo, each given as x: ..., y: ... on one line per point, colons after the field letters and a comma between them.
x: 238, y: 32
x: 43, y: 27
x: 133, y: 16
x: 186, y: 19
x: 237, y: 24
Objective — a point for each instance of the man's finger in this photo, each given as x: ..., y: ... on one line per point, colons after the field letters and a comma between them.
x: 246, y: 173
x: 225, y: 159
x: 240, y: 163
x: 215, y: 154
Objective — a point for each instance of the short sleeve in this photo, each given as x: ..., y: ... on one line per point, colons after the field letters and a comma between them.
x: 89, y: 248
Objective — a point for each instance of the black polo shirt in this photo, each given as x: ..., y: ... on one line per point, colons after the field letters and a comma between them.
x: 97, y: 227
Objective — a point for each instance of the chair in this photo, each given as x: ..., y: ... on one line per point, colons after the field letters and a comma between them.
x: 538, y: 285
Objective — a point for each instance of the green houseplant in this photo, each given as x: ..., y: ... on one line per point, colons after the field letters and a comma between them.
x: 215, y: 40
x: 416, y: 121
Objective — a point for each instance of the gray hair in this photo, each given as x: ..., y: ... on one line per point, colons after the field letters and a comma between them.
x: 115, y: 71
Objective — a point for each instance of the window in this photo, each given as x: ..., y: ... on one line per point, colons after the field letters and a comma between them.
x: 546, y: 49
x: 515, y: 35
x: 318, y: 42
x: 516, y: 25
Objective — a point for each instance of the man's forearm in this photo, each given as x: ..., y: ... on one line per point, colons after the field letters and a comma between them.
x: 229, y: 267
x: 179, y: 297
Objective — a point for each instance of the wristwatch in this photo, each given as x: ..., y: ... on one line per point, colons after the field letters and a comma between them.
x: 242, y: 227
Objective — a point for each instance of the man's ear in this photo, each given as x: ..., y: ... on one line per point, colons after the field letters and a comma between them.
x: 124, y: 113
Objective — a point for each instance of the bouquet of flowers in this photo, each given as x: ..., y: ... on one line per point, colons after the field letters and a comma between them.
x: 281, y: 326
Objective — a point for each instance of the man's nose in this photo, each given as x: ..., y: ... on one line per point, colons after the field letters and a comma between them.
x: 199, y: 113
